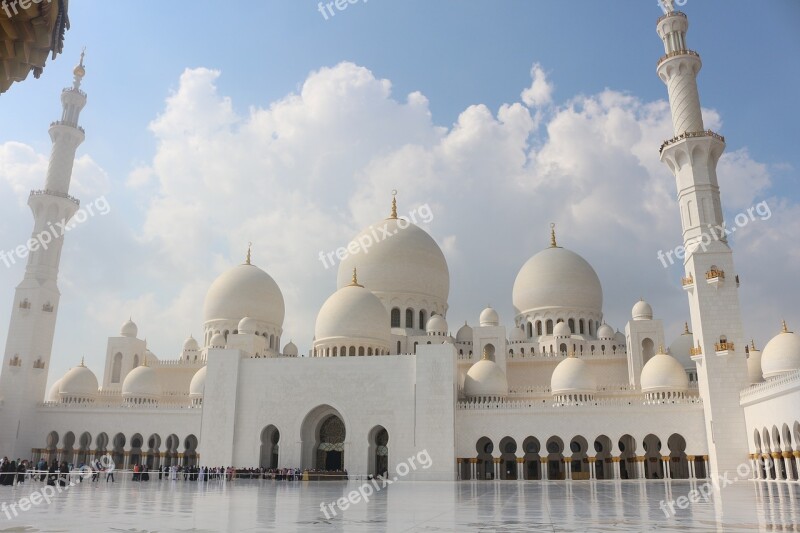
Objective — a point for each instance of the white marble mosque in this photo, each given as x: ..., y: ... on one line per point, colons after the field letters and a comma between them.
x: 552, y: 393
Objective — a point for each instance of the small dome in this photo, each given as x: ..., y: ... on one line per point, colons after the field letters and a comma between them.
x: 353, y: 312
x: 198, y: 385
x: 218, y: 341
x: 129, y: 329
x: 247, y: 326
x: 664, y: 373
x: 781, y: 354
x: 642, y: 311
x: 53, y: 395
x: 620, y: 339
x: 141, y: 382
x: 485, y: 378
x: 489, y: 317
x: 517, y: 335
x: 680, y: 348
x: 605, y: 332
x: 78, y: 381
x: 562, y: 330
x: 290, y: 349
x: 464, y: 333
x: 190, y: 344
x: 572, y: 375
x: 437, y: 325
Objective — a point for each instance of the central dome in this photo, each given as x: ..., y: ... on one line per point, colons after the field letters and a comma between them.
x: 245, y: 291
x: 401, y: 260
x: 557, y: 277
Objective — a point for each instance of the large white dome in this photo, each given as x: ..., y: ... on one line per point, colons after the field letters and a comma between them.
x: 485, y: 378
x: 407, y: 261
x: 664, y: 373
x: 572, y: 376
x: 129, y: 329
x: 141, y: 382
x: 464, y: 333
x: 245, y: 291
x: 781, y: 354
x: 353, y: 313
x: 642, y: 311
x: 79, y: 381
x: 557, y: 277
x: 198, y: 385
x: 53, y: 395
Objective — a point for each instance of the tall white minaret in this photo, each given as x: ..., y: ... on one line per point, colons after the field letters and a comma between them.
x: 26, y: 361
x: 711, y: 281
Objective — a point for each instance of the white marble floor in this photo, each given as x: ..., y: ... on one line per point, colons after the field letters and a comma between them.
x: 245, y: 505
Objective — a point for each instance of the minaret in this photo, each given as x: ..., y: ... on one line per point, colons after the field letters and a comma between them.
x: 26, y: 360
x: 711, y: 281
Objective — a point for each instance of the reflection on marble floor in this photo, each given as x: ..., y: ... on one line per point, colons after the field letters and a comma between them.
x: 245, y: 505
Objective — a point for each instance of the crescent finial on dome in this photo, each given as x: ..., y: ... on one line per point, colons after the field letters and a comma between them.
x: 354, y: 281
x: 82, y: 362
x: 553, y: 243
x: 247, y: 259
x: 753, y: 345
x: 393, y: 215
x: 686, y: 328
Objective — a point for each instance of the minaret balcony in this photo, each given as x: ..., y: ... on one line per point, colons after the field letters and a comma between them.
x: 696, y: 351
x: 688, y: 282
x: 670, y: 14
x: 715, y: 276
x: 691, y: 135
x: 677, y: 53
x: 723, y: 348
x: 56, y: 193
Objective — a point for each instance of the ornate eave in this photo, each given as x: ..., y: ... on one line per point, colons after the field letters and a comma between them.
x: 28, y: 36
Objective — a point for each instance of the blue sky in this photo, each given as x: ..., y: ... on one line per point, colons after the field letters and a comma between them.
x: 457, y: 54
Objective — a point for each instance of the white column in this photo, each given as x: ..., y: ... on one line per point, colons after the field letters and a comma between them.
x: 787, y: 460
x: 592, y: 469
x: 520, y: 470
x: 568, y: 469
x: 797, y: 461
x: 691, y: 466
x: 617, y: 471
x: 667, y: 473
x: 776, y: 458
x: 543, y: 464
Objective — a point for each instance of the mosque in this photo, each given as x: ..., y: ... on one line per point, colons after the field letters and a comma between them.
x: 552, y: 393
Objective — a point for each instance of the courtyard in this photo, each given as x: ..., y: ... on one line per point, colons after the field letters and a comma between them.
x: 405, y: 506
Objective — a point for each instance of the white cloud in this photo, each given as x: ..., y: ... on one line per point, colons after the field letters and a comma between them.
x: 303, y: 174
x: 540, y: 93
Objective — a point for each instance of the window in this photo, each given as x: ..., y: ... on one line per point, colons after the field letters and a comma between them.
x: 422, y: 319
x: 410, y: 318
x: 549, y: 327
x: 396, y: 318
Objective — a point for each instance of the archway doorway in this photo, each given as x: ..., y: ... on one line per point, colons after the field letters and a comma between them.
x: 379, y: 451
x: 270, y: 437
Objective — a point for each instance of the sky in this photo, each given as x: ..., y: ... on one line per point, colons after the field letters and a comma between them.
x: 271, y: 123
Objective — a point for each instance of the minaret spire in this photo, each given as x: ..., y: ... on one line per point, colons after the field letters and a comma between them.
x: 35, y: 306
x: 692, y: 155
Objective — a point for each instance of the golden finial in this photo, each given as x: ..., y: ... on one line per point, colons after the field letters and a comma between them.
x: 394, y: 204
x: 661, y: 348
x: 686, y: 328
x: 82, y: 362
x: 753, y: 345
x: 247, y: 260
x: 571, y: 354
x: 785, y: 327
x: 354, y: 281
x: 144, y: 359
x: 553, y: 243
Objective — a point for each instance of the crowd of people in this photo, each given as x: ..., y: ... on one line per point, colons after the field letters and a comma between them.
x: 16, y: 472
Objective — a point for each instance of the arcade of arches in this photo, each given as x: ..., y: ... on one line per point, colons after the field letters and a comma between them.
x: 126, y: 451
x: 580, y: 458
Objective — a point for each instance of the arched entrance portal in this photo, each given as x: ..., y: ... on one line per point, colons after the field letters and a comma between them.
x: 323, y: 436
x: 269, y: 447
x: 379, y: 451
